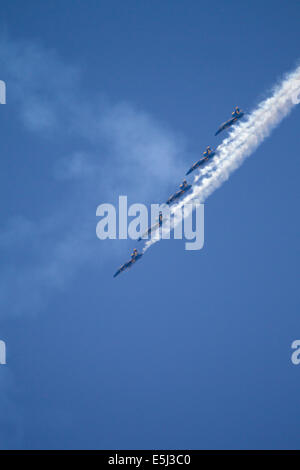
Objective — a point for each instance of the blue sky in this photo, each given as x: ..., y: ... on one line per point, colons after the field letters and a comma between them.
x: 188, y: 349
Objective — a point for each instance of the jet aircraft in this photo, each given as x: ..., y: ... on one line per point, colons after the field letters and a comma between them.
x: 184, y: 187
x: 237, y: 114
x: 209, y: 153
x: 135, y: 256
x: 151, y: 229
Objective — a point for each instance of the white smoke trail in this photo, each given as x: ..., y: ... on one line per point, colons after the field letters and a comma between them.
x: 243, y: 140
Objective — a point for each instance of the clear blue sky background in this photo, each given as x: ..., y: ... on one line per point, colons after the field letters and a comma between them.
x: 188, y: 349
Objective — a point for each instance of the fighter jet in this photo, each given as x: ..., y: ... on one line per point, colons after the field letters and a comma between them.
x: 209, y: 153
x: 135, y: 256
x: 184, y: 187
x: 237, y: 114
x: 154, y: 227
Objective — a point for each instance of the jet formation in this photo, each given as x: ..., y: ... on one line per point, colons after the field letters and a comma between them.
x: 207, y: 155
